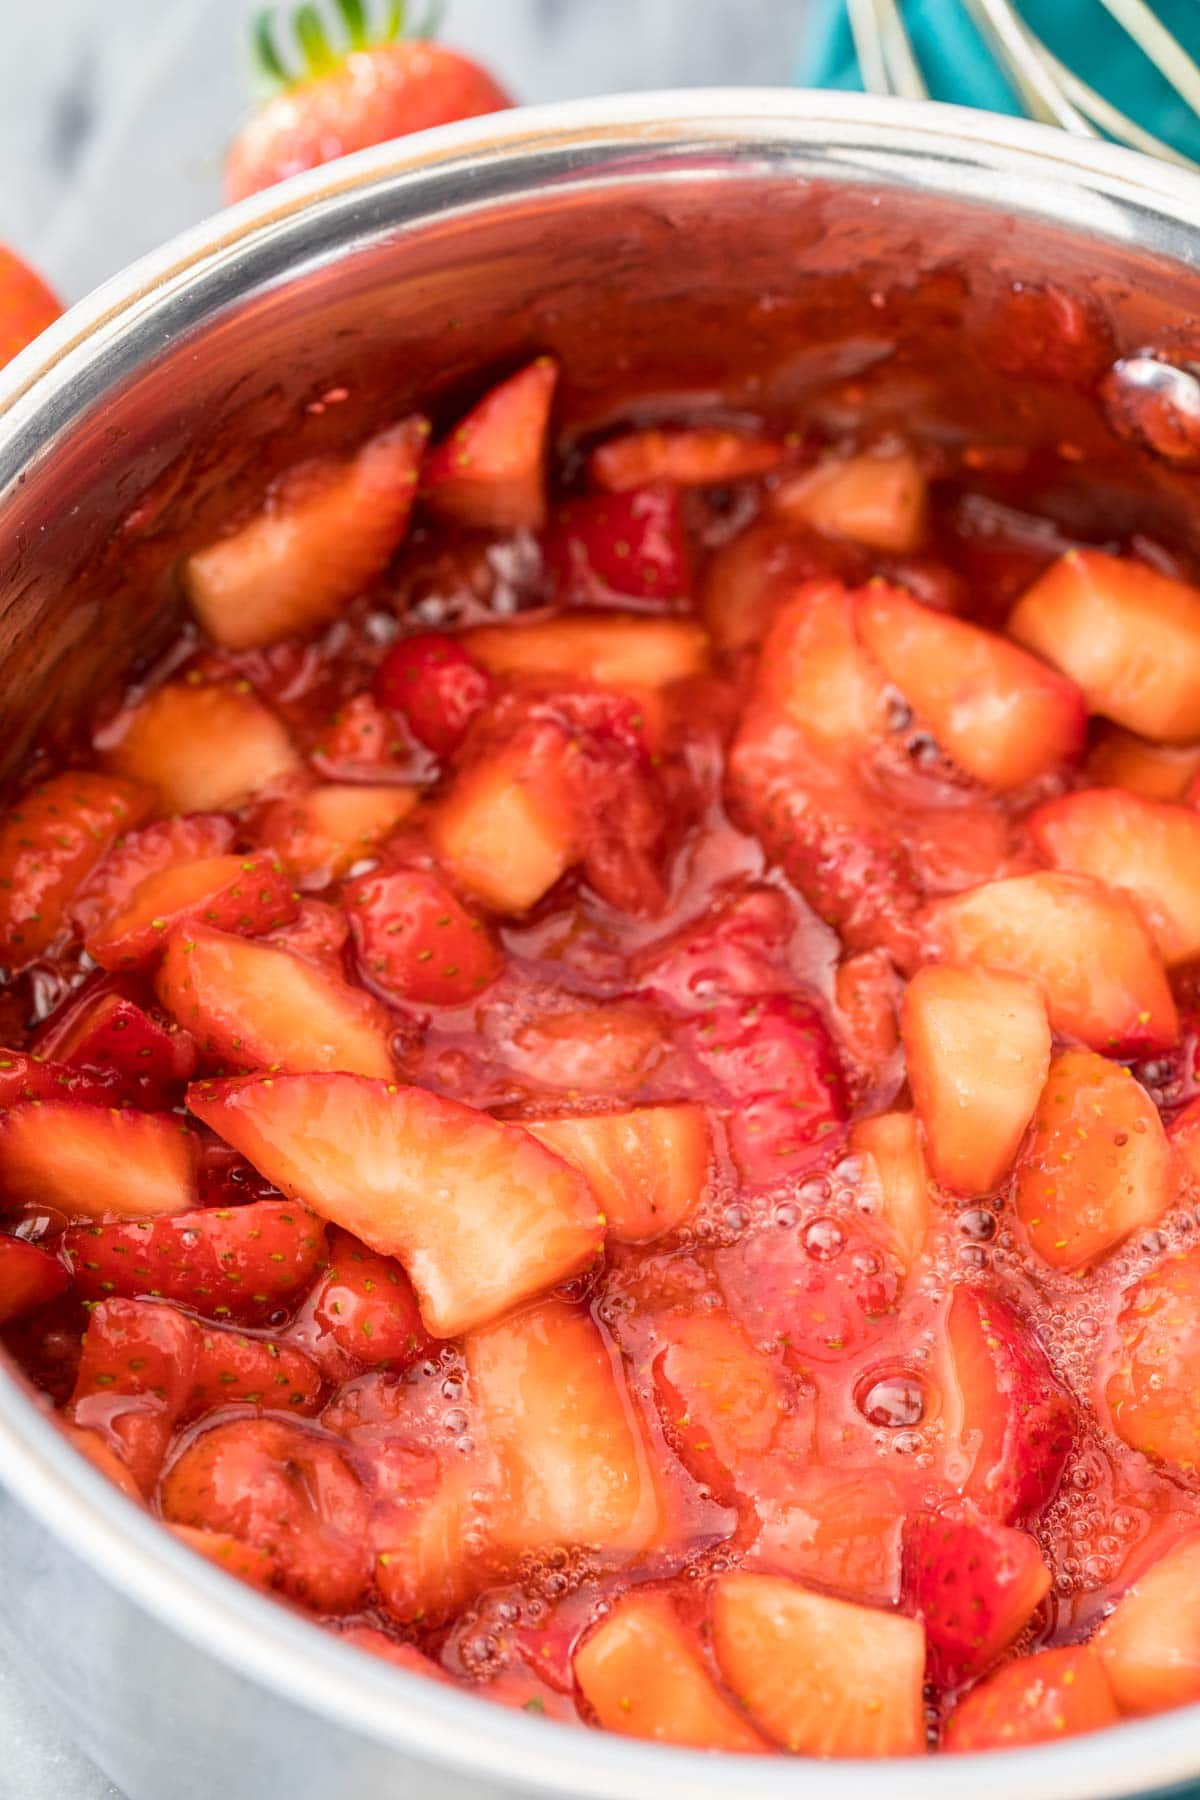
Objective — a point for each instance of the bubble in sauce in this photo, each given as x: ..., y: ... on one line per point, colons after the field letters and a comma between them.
x: 1155, y: 403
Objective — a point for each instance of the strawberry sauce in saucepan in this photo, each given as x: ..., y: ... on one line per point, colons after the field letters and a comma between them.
x: 602, y: 1091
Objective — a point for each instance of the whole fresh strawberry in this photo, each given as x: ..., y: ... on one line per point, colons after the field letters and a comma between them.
x: 383, y: 85
x: 26, y: 305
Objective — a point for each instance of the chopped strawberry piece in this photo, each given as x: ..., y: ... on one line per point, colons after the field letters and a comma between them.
x: 878, y: 499
x: 254, y: 1005
x: 479, y: 1213
x: 607, y: 547
x: 100, y: 1453
x: 318, y: 932
x: 231, y: 1368
x: 821, y: 1677
x: 246, y: 894
x: 840, y: 1528
x: 975, y: 1583
x: 29, y: 1277
x: 167, y: 741
x: 626, y: 651
x: 574, y: 1471
x: 401, y: 1656
x: 895, y: 1187
x: 1129, y: 636
x: 325, y: 532
x: 323, y: 833
x: 362, y: 1313
x: 1097, y: 1164
x: 593, y: 1049
x: 1150, y: 1644
x: 506, y: 831
x: 1120, y: 759
x: 813, y: 669
x: 823, y: 1288
x: 1007, y: 1417
x: 258, y: 1568
x: 363, y: 743
x: 1000, y: 713
x: 1148, y: 848
x: 740, y: 948
x: 246, y: 1263
x: 977, y: 1047
x: 435, y: 684
x: 92, y: 1161
x: 489, y: 470
x: 1035, y: 1700
x: 25, y: 1078
x: 416, y: 942
x: 643, y: 1674
x: 428, y: 1555
x: 134, y: 1377
x: 750, y: 576
x: 1084, y: 944
x: 138, y: 854
x: 687, y: 456
x: 104, y: 1031
x: 867, y: 993
x: 286, y: 1490
x: 51, y: 840
x: 648, y: 1168
x: 1153, y: 1392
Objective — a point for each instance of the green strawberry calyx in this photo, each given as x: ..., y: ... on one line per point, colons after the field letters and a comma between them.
x: 312, y: 51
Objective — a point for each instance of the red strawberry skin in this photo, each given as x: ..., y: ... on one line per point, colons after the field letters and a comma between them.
x: 362, y: 1313
x: 438, y: 688
x: 249, y: 895
x: 109, y: 1035
x: 29, y: 1277
x: 139, y: 854
x: 373, y: 95
x: 243, y: 1263
x: 24, y: 1078
x: 27, y: 305
x: 608, y: 545
x: 975, y: 1583
x: 416, y: 941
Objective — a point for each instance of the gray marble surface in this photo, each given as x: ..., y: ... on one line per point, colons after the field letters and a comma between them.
x: 113, y: 115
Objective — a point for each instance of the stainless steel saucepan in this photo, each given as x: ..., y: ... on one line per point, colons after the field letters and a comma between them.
x: 757, y: 248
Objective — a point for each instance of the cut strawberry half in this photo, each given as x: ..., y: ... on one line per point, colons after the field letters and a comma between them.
x: 1129, y: 636
x: 105, y: 1032
x: 878, y: 499
x: 685, y: 455
x: 1084, y: 944
x: 1121, y: 759
x: 244, y: 1263
x: 840, y: 1528
x: 1153, y: 1392
x: 1035, y: 1700
x: 51, y: 840
x: 257, y: 1568
x: 617, y: 650
x: 821, y: 1677
x: 29, y: 1277
x: 1148, y: 848
x: 246, y: 894
x: 895, y: 1189
x: 322, y: 834
x: 1097, y: 1165
x: 170, y: 742
x: 574, y: 1469
x: 822, y: 1288
x: 362, y: 1313
x: 284, y: 1489
x: 93, y: 1162
x: 630, y: 545
x: 163, y: 844
x: 1001, y: 714
x: 416, y: 941
x: 975, y: 1583
x: 648, y: 1168
x: 326, y: 531
x: 478, y: 1212
x: 506, y: 830
x: 977, y: 1048
x: 437, y: 687
x: 254, y: 1005
x: 490, y: 468
x: 642, y: 1673
x: 1009, y: 1423
x: 1150, y: 1644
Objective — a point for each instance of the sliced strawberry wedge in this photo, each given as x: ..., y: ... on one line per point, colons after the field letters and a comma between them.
x: 821, y: 1677
x: 478, y: 1212
x: 1009, y: 1423
x: 167, y: 743
x: 1148, y: 848
x: 29, y: 1278
x: 1035, y: 1700
x: 134, y: 1378
x: 1083, y: 943
x: 975, y: 1583
x: 489, y: 470
x: 507, y: 829
x: 839, y: 1528
x: 321, y: 834
x: 362, y: 1313
x: 1097, y: 1165
x: 416, y: 941
x: 104, y: 1031
x: 1129, y: 636
x: 162, y: 844
x: 436, y: 685
x: 895, y: 1188
x: 243, y: 1263
x: 574, y: 1470
x: 648, y: 1168
x: 617, y: 650
x: 1150, y: 1644
x: 326, y: 531
x: 93, y: 1162
x: 51, y: 840
x: 608, y: 547
x: 254, y: 1005
x: 246, y: 894
x: 878, y: 499
x: 1001, y: 714
x: 977, y: 1048
x: 1153, y: 1392
x: 814, y: 670
x: 642, y: 1673
x: 688, y: 456
x: 27, y: 1078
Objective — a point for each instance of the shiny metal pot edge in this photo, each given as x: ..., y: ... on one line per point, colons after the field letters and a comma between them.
x: 308, y: 1690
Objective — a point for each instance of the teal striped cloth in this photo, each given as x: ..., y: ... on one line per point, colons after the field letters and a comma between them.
x: 957, y: 65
